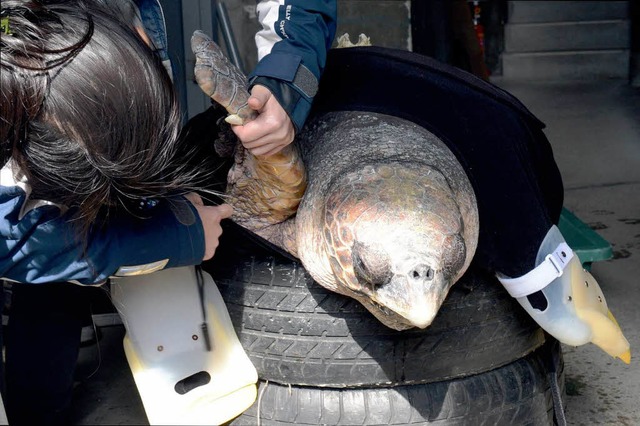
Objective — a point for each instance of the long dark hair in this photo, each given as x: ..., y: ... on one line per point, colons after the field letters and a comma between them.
x: 88, y: 112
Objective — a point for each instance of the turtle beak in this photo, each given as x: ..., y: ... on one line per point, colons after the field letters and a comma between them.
x: 421, y: 315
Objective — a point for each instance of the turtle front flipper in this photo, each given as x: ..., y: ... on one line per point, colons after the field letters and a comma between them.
x: 220, y: 79
x: 264, y: 190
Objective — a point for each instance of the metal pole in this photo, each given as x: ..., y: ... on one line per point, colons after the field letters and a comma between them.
x: 227, y: 34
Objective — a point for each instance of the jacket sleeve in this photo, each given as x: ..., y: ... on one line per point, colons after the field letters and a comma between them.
x: 42, y: 245
x: 292, y: 51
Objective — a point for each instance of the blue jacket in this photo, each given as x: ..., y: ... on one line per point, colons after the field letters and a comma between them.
x: 39, y: 244
x: 292, y: 51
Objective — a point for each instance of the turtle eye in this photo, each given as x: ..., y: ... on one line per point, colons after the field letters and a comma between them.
x: 370, y: 266
x: 454, y: 254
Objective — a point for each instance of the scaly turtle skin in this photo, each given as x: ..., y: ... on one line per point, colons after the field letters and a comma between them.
x: 263, y: 190
x: 388, y: 216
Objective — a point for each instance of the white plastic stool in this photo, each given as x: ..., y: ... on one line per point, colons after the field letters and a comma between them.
x: 179, y: 380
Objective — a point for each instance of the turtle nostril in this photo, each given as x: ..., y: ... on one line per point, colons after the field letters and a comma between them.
x: 422, y: 272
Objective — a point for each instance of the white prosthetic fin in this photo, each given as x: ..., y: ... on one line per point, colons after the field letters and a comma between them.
x: 565, y: 299
x: 186, y: 359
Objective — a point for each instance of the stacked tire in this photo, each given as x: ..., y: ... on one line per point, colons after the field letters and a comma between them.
x: 323, y: 359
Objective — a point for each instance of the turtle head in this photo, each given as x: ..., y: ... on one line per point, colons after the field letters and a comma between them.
x: 395, y: 238
x: 408, y: 283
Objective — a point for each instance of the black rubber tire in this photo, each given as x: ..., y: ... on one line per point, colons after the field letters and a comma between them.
x: 519, y: 393
x: 297, y: 332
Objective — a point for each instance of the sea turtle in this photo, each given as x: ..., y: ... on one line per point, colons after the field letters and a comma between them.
x: 386, y: 213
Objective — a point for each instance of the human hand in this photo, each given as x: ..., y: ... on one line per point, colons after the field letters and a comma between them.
x: 272, y: 130
x: 210, y: 216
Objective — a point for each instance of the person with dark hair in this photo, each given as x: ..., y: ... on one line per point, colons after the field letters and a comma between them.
x: 84, y: 141
x: 96, y: 180
x: 93, y: 184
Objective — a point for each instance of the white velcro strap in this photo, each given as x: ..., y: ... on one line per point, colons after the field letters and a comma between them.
x: 542, y: 275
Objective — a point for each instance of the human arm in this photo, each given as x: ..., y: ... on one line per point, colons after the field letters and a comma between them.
x: 292, y: 51
x: 90, y: 155
x: 41, y: 245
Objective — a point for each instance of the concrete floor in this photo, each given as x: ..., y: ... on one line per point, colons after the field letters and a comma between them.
x: 595, y: 131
